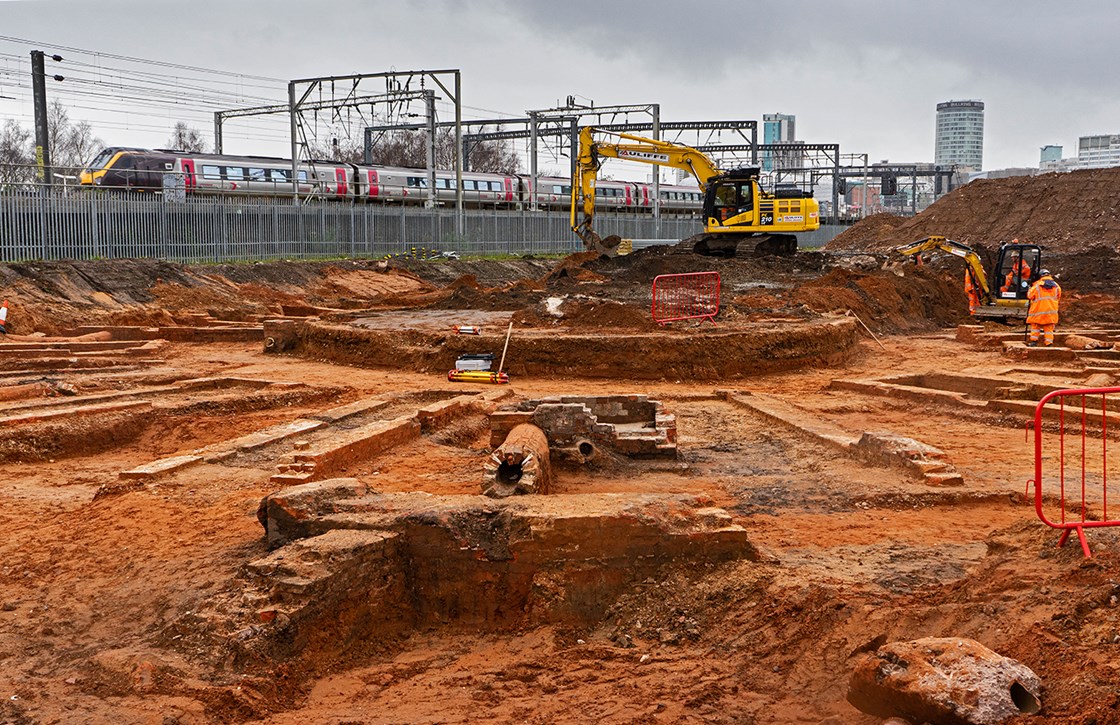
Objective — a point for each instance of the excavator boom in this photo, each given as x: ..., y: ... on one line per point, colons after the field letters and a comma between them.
x: 957, y: 249
x: 1016, y: 267
x: 643, y: 150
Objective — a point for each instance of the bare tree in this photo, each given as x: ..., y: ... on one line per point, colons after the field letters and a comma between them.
x: 71, y: 144
x: 16, y: 154
x: 494, y: 156
x: 410, y: 149
x: 336, y: 149
x: 186, y: 138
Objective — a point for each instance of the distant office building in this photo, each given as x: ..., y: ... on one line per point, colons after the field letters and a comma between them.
x: 960, y: 134
x: 779, y: 128
x: 863, y: 201
x: 1050, y: 154
x: 1098, y: 152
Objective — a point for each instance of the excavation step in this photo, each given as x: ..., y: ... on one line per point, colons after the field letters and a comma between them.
x: 329, y: 457
x: 73, y: 411
x: 395, y: 340
x: 925, y: 462
x: 359, y: 407
x: 351, y: 565
x: 157, y: 391
x: 216, y: 331
x: 155, y: 468
x: 224, y: 449
x: 979, y: 393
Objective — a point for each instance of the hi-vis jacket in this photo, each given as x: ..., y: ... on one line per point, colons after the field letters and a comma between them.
x: 1044, y: 296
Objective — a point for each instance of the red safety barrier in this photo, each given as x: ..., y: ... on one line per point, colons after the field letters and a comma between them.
x: 1084, y: 419
x: 686, y: 296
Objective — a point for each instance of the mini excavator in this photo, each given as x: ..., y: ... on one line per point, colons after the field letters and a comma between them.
x: 739, y: 216
x: 1016, y: 269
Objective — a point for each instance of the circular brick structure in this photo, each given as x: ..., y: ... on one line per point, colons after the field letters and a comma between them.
x: 412, y: 341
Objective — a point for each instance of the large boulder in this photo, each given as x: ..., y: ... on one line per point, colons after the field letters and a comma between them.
x: 943, y: 681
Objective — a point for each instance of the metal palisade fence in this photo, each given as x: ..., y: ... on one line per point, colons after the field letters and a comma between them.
x: 39, y: 226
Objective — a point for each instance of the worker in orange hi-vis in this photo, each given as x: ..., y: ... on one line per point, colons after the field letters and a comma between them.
x: 4, y: 318
x: 971, y: 291
x: 1022, y: 269
x: 1045, y: 294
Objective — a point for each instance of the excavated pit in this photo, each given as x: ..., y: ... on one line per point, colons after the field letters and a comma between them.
x: 352, y: 564
x: 427, y: 343
x: 419, y: 599
x: 521, y: 555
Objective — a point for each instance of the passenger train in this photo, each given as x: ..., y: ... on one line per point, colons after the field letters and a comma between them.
x: 136, y: 169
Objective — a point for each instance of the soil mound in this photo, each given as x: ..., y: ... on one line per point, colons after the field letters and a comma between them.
x: 868, y: 231
x: 573, y: 267
x: 1064, y: 212
x: 585, y: 313
x: 901, y: 299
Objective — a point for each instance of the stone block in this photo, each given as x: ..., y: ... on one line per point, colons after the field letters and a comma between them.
x: 163, y: 465
x: 949, y: 681
x: 285, y: 514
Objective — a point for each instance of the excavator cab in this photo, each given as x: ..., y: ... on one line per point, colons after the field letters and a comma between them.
x: 730, y: 198
x: 1016, y: 270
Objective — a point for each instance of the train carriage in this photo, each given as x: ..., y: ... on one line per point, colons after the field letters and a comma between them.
x: 410, y: 186
x: 219, y: 175
x: 263, y: 176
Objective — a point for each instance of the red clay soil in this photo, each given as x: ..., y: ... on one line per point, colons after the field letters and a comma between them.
x: 1069, y: 212
x: 907, y: 298
x: 587, y: 313
x: 107, y: 602
x: 597, y: 293
x: 49, y: 297
x: 106, y: 610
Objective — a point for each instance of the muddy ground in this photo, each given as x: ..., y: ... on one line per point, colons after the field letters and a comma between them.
x: 106, y: 589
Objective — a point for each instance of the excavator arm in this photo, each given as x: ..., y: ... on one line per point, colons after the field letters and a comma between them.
x: 958, y: 250
x: 641, y: 149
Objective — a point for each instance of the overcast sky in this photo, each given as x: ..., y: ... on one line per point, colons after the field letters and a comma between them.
x: 866, y: 75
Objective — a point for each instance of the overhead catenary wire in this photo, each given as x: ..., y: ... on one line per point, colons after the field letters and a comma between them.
x: 152, y: 100
x: 100, y: 87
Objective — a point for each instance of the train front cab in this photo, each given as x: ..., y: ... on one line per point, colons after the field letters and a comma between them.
x: 126, y: 168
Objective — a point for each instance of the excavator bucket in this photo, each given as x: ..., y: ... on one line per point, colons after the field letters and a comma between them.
x: 606, y: 246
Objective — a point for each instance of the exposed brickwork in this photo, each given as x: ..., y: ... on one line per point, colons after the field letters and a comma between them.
x: 334, y: 456
x: 632, y: 425
x: 470, y: 561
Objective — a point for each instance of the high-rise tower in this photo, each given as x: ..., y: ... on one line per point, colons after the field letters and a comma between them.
x: 960, y: 134
x: 779, y: 128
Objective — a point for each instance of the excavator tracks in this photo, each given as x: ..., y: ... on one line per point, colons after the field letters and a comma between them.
x: 735, y: 245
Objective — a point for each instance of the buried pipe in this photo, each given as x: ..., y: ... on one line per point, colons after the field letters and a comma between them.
x: 585, y: 450
x: 520, y: 465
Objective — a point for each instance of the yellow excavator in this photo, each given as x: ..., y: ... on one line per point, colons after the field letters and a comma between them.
x: 1016, y: 269
x: 738, y: 214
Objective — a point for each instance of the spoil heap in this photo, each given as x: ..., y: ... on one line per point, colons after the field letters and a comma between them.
x: 1065, y: 212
